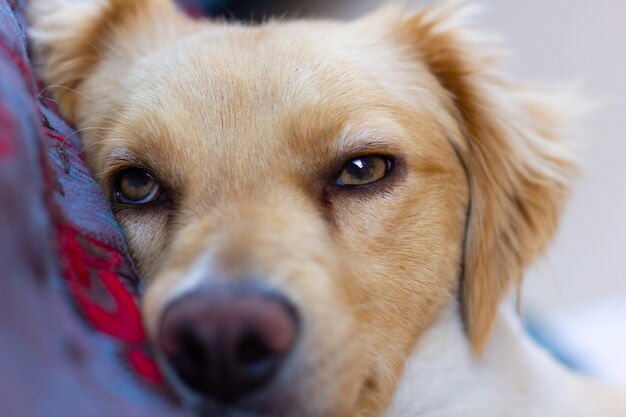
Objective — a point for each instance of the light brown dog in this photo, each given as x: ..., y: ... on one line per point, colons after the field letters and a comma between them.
x: 328, y: 215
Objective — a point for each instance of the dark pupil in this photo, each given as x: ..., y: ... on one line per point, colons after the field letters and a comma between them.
x: 137, y: 179
x: 361, y: 169
x: 136, y: 184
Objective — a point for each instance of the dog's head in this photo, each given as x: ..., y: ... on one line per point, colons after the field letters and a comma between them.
x: 303, y: 198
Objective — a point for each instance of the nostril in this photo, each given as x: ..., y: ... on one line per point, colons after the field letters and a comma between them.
x: 191, y: 344
x: 189, y: 357
x: 252, y: 350
x: 185, y: 351
x: 256, y: 361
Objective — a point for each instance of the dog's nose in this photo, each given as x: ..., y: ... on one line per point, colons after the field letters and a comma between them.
x: 227, y: 342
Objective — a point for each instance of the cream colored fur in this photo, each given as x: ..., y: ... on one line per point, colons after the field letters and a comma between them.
x: 513, y: 378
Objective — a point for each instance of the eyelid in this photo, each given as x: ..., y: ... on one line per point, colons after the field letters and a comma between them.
x: 368, y: 147
x: 389, y: 161
x: 341, y: 164
x: 357, y: 146
x: 118, y: 161
x: 152, y: 196
x: 163, y: 196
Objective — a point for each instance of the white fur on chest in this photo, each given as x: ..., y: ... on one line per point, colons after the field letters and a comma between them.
x: 513, y: 378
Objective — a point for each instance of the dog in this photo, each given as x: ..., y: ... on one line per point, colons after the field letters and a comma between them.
x: 329, y: 216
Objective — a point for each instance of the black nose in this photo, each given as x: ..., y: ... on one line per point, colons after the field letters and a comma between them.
x: 226, y: 342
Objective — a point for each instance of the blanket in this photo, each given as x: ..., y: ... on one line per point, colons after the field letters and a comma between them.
x: 71, y: 336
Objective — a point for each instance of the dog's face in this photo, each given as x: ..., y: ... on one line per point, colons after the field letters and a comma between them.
x: 311, y: 192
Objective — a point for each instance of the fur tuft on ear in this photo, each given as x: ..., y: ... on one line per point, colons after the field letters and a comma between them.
x: 518, y: 166
x: 72, y: 37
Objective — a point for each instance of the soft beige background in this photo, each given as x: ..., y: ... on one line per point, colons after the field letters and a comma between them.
x: 579, y: 289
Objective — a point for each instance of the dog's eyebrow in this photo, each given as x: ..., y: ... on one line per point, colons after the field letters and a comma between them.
x: 356, y: 138
x: 122, y: 155
x: 117, y: 159
x: 368, y: 147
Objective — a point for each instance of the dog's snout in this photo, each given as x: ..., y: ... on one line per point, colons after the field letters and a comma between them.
x: 227, y: 342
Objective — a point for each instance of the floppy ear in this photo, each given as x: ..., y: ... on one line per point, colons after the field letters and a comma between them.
x: 519, y: 169
x: 72, y: 38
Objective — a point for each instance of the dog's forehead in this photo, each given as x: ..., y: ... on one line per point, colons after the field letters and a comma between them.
x: 231, y: 74
x: 269, y: 98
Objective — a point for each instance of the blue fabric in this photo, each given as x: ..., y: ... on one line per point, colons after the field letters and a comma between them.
x: 71, y: 340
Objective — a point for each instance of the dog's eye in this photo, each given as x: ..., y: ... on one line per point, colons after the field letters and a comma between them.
x: 364, y: 170
x: 136, y: 186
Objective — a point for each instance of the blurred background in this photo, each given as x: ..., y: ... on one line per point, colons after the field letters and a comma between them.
x: 575, y: 297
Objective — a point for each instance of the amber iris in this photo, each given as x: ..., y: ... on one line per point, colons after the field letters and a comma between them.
x: 136, y: 186
x: 364, y: 170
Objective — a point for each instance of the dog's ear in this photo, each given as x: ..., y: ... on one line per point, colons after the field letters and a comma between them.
x: 72, y: 38
x: 518, y: 165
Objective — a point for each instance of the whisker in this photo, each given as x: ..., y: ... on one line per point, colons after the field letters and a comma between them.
x: 101, y: 141
x: 42, y: 97
x: 82, y: 95
x: 94, y: 47
x: 66, y: 138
